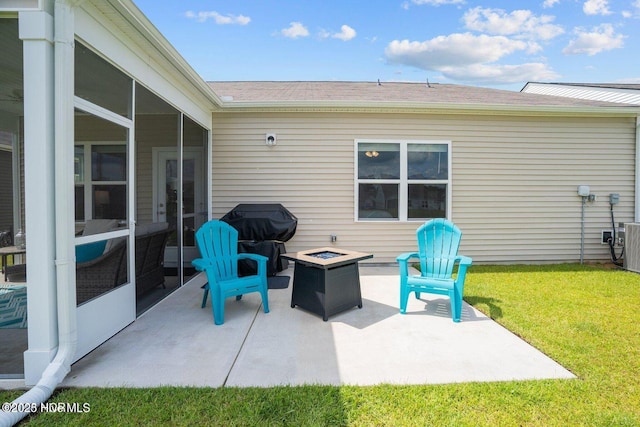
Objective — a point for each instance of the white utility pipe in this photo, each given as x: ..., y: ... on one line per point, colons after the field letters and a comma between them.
x: 64, y: 196
x: 584, y: 202
x: 636, y: 214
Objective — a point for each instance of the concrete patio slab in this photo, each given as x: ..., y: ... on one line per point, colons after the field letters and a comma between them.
x: 176, y: 343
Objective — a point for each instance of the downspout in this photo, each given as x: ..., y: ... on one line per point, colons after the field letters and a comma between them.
x: 65, y: 263
x: 637, y: 187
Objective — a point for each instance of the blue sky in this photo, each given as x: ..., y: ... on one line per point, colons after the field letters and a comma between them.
x: 493, y: 43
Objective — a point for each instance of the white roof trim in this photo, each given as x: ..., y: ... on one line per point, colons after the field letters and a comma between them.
x: 416, y: 107
x: 146, y: 29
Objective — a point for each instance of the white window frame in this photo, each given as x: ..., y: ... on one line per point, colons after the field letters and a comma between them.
x: 88, y: 182
x: 403, y: 182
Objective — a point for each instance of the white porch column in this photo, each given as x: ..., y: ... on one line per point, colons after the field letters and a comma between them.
x: 36, y: 32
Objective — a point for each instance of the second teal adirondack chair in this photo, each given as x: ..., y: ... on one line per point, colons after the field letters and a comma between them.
x: 218, y: 245
x: 438, y: 242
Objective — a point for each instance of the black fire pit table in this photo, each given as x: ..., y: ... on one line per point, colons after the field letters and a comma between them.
x: 326, y: 281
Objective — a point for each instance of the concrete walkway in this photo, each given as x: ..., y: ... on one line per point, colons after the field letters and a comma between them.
x: 176, y: 343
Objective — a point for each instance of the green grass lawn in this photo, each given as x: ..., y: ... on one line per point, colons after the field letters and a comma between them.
x: 584, y: 317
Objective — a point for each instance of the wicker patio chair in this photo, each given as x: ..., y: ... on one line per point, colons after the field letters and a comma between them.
x: 101, y: 274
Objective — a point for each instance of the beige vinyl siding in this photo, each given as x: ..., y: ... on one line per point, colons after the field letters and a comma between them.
x: 151, y: 131
x: 514, y: 179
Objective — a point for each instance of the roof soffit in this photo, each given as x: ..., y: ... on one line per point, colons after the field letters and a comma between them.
x: 152, y: 47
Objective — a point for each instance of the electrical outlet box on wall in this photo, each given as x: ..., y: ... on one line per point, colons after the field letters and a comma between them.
x: 607, y: 235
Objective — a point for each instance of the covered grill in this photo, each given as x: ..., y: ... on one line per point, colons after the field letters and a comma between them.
x: 262, y: 229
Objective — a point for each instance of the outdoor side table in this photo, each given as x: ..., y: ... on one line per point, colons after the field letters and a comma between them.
x: 4, y: 254
x: 326, y: 281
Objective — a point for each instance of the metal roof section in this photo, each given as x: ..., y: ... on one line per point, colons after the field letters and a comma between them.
x: 607, y: 92
x: 400, y: 95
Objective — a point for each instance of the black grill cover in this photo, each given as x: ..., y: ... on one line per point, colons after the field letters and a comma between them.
x: 270, y: 249
x: 261, y: 222
x: 262, y: 229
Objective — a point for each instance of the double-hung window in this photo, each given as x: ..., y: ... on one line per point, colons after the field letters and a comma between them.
x: 402, y: 180
x: 100, y: 181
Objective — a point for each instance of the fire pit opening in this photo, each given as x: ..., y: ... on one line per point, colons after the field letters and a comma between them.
x: 325, y: 254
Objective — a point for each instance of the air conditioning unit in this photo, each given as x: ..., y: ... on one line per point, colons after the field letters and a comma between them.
x: 632, y: 247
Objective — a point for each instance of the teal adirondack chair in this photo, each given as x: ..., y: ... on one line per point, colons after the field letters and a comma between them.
x: 218, y: 245
x: 438, y: 242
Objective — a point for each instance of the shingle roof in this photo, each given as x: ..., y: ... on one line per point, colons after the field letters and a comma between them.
x: 358, y: 93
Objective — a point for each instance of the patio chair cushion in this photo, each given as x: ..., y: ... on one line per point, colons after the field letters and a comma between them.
x: 151, y: 228
x: 96, y: 226
x: 88, y: 251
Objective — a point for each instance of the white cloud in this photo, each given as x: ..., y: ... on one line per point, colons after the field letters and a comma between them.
x: 504, y: 74
x: 632, y: 13
x: 346, y: 33
x: 522, y: 23
x: 599, y: 39
x: 549, y: 3
x: 452, y: 50
x: 596, y: 7
x: 468, y: 57
x: 437, y: 2
x: 533, y: 47
x: 295, y: 30
x: 218, y: 18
